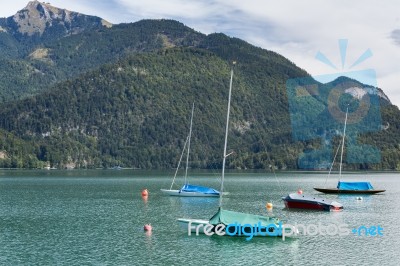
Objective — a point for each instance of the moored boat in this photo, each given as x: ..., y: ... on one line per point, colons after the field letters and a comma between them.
x: 348, y: 187
x: 188, y: 190
x: 302, y: 201
x: 232, y: 223
x: 351, y: 188
x: 192, y: 191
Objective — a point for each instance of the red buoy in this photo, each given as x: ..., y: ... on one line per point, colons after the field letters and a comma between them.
x: 145, y: 192
x: 147, y: 227
x: 300, y: 191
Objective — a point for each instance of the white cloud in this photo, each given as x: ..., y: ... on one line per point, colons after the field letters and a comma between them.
x: 295, y: 29
x: 300, y: 29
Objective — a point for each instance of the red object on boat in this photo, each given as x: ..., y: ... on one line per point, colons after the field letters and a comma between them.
x: 145, y: 192
x: 147, y: 227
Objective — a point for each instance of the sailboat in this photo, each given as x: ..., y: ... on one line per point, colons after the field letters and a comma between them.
x: 349, y: 187
x: 225, y: 219
x: 187, y: 189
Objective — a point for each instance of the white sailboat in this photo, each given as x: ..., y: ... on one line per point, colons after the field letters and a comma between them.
x: 225, y: 218
x: 187, y: 189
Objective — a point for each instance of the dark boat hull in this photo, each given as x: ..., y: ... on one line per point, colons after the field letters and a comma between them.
x: 344, y: 191
x: 300, y: 201
x: 305, y: 205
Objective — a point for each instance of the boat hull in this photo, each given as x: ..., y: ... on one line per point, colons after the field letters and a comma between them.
x: 344, y: 191
x: 178, y: 193
x: 310, y: 206
x: 300, y: 201
x: 184, y: 224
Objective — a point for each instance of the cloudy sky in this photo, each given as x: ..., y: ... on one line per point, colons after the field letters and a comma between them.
x: 299, y: 30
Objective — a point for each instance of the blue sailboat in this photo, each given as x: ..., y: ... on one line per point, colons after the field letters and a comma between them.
x: 189, y: 190
x: 349, y: 187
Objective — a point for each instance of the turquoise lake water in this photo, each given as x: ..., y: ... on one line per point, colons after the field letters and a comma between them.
x: 97, y: 217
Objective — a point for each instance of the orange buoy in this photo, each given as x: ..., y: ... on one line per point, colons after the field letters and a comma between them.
x: 147, y: 227
x: 300, y: 191
x: 269, y: 206
x: 145, y: 192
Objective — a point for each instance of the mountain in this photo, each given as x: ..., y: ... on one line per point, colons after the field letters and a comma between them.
x: 40, y: 21
x: 126, y: 100
x: 134, y: 113
x: 26, y: 64
x: 64, y: 48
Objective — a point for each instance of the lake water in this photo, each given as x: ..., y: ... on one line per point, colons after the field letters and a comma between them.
x: 97, y: 217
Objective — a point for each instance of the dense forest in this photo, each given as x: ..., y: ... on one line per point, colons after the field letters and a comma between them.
x: 121, y: 96
x: 135, y: 113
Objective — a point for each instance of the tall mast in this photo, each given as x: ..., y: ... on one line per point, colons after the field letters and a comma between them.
x: 226, y: 138
x: 179, y: 164
x: 188, y: 148
x: 344, y: 135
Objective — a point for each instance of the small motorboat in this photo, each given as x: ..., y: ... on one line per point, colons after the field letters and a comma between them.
x: 301, y: 201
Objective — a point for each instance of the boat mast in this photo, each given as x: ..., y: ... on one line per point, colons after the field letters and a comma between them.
x: 179, y: 163
x: 226, y: 138
x: 344, y: 135
x: 188, y: 148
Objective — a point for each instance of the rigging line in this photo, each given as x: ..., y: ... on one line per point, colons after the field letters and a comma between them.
x: 344, y: 135
x: 226, y: 137
x: 179, y: 163
x: 264, y: 145
x: 269, y: 161
x: 188, y: 148
x: 334, y: 158
x: 214, y: 162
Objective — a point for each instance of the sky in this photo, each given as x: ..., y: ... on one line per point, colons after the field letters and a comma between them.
x: 368, y: 31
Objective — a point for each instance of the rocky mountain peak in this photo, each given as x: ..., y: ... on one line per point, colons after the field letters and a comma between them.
x: 37, y: 16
